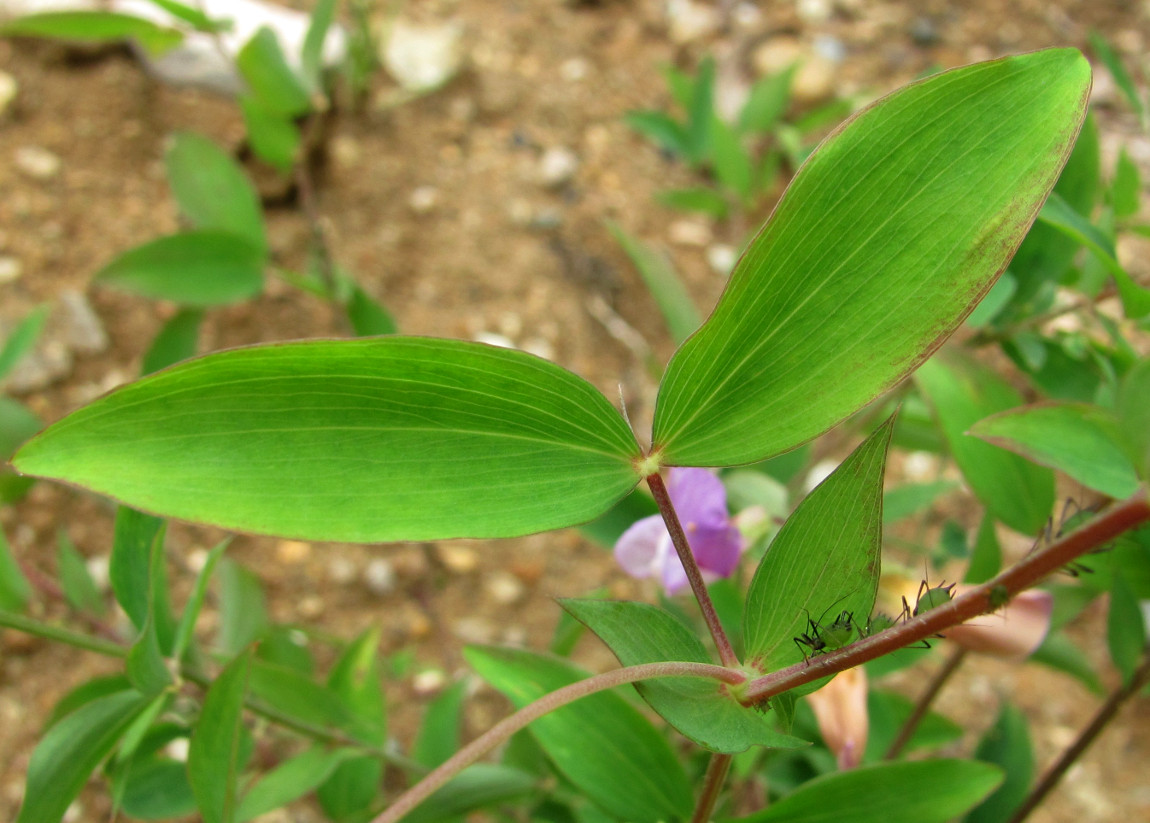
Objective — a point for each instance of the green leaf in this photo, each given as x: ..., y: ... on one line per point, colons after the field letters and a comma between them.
x: 767, y: 102
x: 156, y: 788
x: 15, y: 590
x: 661, y: 129
x: 199, y: 268
x: 663, y: 282
x: 438, y: 737
x: 75, y: 579
x: 214, y: 753
x: 1105, y: 52
x: 298, y: 696
x: 1126, y: 189
x: 311, y: 56
x: 407, y: 438
x: 609, y: 527
x: 879, y: 249
x: 962, y: 392
x: 243, y: 608
x: 212, y: 190
x: 129, y: 568
x: 703, y: 710
x: 290, y: 781
x: 1005, y: 744
x: 929, y: 791
x: 17, y: 424
x: 706, y: 201
x: 187, y: 624
x: 356, y: 680
x: 368, y: 317
x: 22, y: 339
x: 352, y: 789
x: 911, y: 498
x: 701, y: 114
x: 145, y: 663
x: 68, y: 753
x: 1074, y: 438
x: 731, y: 161
x: 1061, y: 654
x: 94, y: 27
x: 986, y: 557
x: 1125, y: 629
x: 887, y: 712
x: 1133, y: 410
x: 182, y: 11
x: 178, y: 340
x: 600, y: 743
x: 274, y: 137
x: 263, y: 67
x: 484, y: 784
x: 825, y: 559
x: 85, y: 693
x: 996, y: 300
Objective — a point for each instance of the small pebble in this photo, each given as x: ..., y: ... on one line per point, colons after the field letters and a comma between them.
x: 923, y: 31
x: 574, y: 69
x: 8, y: 90
x: 689, y: 21
x: 346, y: 151
x: 309, y: 608
x: 504, y: 588
x: 37, y: 163
x: 178, y: 749
x: 493, y: 339
x: 689, y: 233
x: 424, y: 199
x: 819, y: 472
x: 920, y: 466
x: 292, y: 552
x: 557, y: 167
x: 11, y: 268
x: 514, y: 636
x: 48, y: 362
x: 341, y: 570
x: 196, y: 559
x: 474, y: 630
x: 379, y: 576
x: 428, y: 682
x: 99, y: 570
x: 814, y: 11
x: 458, y: 559
x: 539, y: 347
x: 722, y: 258
x: 420, y: 57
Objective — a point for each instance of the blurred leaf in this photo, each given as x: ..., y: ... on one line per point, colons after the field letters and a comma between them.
x: 438, y: 737
x: 197, y: 268
x: 290, y: 781
x: 1005, y: 744
x: 675, y: 303
x: 887, y: 712
x: 274, y: 138
x: 986, y: 558
x: 1074, y: 438
x: 15, y: 590
x: 609, y: 527
x: 214, y: 753
x: 286, y: 647
x: 928, y: 791
x: 911, y: 498
x: 1105, y: 52
x: 85, y: 693
x: 1133, y: 410
x: 182, y: 11
x: 368, y: 317
x: 963, y: 392
x: 480, y: 785
x: 271, y: 81
x: 187, y: 624
x: 767, y: 102
x: 612, y: 754
x: 661, y: 129
x: 1126, y: 190
x: 94, y: 27
x: 300, y: 697
x: 835, y: 281
x: 17, y: 424
x: 1125, y: 629
x: 786, y: 466
x: 356, y: 680
x: 22, y: 339
x: 680, y: 84
x: 732, y: 163
x: 996, y: 299
x: 824, y: 559
x: 311, y: 56
x: 243, y: 608
x: 411, y: 438
x: 213, y: 191
x: 145, y: 663
x: 702, y: 200
x: 129, y: 568
x: 702, y: 710
x: 178, y: 340
x: 68, y: 753
x: 75, y: 580
x: 349, y: 794
x: 701, y: 114
x: 156, y: 788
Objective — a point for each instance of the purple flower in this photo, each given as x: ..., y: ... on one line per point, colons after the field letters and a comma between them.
x: 645, y: 549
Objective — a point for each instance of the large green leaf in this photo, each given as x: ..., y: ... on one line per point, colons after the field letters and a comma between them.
x: 1075, y: 438
x: 271, y: 80
x: 196, y: 268
x: 390, y: 438
x: 600, y: 743
x: 94, y: 27
x: 929, y: 791
x: 64, y: 759
x: 823, y: 562
x: 962, y: 392
x: 1006, y: 744
x: 886, y: 239
x: 703, y: 710
x: 212, y: 190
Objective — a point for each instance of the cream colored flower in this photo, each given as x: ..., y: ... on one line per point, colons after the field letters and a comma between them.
x: 840, y: 708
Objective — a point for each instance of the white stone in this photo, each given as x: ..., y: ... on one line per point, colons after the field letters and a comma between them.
x: 379, y: 576
x: 920, y: 466
x: 459, y: 559
x: 421, y: 58
x: 10, y: 268
x: 37, y: 162
x: 722, y: 258
x: 341, y: 570
x: 83, y: 330
x: 819, y: 472
x: 574, y: 69
x: 689, y: 21
x: 428, y: 682
x: 178, y: 749
x: 814, y: 11
x: 98, y: 569
x: 557, y: 167
x: 504, y: 588
x: 689, y: 233
x: 423, y: 199
x: 8, y: 91
x: 493, y: 339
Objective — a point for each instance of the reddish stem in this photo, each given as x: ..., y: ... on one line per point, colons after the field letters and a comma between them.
x: 1031, y: 569
x: 694, y: 576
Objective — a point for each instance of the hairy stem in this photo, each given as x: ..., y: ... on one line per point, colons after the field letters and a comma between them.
x: 506, y: 727
x: 924, y: 702
x: 694, y: 576
x: 1105, y: 714
x: 713, y: 782
x: 1119, y: 518
x: 31, y: 626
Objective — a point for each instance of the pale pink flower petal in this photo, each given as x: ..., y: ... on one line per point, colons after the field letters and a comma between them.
x: 1014, y: 632
x: 840, y: 709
